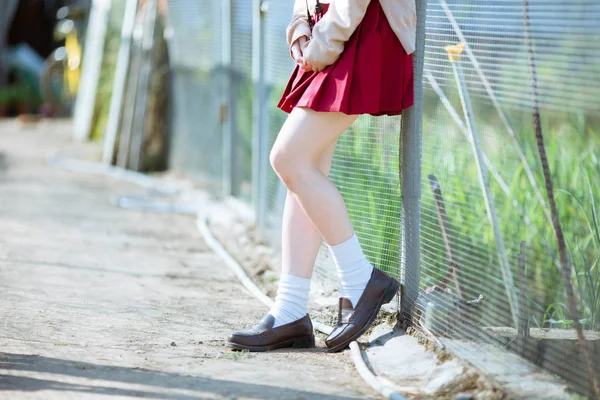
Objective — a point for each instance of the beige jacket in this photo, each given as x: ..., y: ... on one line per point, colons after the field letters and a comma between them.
x: 337, y: 25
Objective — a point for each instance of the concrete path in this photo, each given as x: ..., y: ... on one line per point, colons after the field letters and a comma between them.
x: 102, y: 303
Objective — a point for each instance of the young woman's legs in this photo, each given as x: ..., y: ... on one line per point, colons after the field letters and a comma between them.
x: 296, y: 157
x: 300, y: 243
x: 305, y: 142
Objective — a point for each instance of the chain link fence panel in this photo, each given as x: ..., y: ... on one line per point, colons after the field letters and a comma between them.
x: 486, y: 223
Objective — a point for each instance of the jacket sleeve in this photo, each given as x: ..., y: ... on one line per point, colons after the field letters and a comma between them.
x: 333, y: 30
x: 299, y: 26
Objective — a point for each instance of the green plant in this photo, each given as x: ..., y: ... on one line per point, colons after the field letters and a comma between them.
x: 572, y: 151
x: 584, y: 252
x: 366, y: 171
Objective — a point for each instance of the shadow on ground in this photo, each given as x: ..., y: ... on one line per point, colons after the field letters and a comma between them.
x: 195, y: 386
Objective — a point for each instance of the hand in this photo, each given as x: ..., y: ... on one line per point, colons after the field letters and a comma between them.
x: 297, y: 47
x: 306, y: 66
x: 314, y: 68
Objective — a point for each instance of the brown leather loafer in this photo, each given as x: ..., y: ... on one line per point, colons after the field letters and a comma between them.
x: 263, y: 337
x: 352, y: 323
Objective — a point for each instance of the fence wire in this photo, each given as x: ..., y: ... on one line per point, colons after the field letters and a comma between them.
x: 490, y: 269
x: 279, y: 65
x: 478, y: 126
x: 197, y: 78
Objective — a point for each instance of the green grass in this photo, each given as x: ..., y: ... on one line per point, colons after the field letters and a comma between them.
x: 584, y: 252
x: 572, y: 151
x: 366, y: 172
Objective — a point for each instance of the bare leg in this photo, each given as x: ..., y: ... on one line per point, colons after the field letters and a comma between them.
x: 296, y: 157
x: 300, y: 240
x: 304, y: 143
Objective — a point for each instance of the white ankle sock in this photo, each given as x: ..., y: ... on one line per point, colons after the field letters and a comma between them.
x: 354, y: 271
x: 291, y: 300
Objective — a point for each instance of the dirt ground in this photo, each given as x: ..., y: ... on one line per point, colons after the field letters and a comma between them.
x: 99, y: 302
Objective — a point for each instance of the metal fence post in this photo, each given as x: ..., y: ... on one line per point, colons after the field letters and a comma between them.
x: 227, y: 114
x: 411, y: 149
x: 83, y: 112
x: 259, y: 114
x: 141, y: 108
x: 120, y: 81
x: 484, y: 180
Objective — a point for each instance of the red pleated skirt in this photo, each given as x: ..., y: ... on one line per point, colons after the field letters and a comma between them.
x: 373, y: 75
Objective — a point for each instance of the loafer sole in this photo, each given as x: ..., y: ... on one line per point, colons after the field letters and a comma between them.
x: 302, y: 342
x: 388, y: 295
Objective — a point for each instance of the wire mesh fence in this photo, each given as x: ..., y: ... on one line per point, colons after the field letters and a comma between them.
x: 486, y: 221
x: 483, y: 188
x: 491, y: 275
x: 198, y: 78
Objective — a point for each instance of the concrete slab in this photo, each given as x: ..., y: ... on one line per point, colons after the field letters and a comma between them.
x: 414, y: 371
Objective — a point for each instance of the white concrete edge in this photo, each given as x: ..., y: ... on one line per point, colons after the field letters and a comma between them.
x: 118, y: 173
x: 367, y: 375
x: 234, y: 266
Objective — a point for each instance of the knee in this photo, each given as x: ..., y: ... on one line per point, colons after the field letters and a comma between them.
x: 287, y: 166
x: 277, y: 159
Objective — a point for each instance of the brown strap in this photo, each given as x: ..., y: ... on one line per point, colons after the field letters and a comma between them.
x: 310, y: 20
